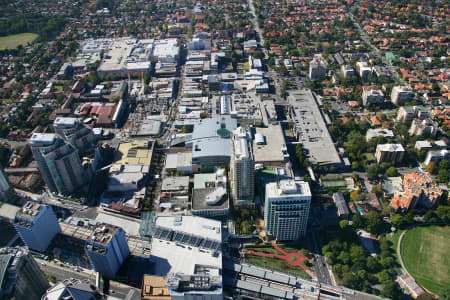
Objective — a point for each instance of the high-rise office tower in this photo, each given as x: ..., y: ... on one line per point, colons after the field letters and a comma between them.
x: 5, y: 187
x: 75, y: 133
x: 107, y: 249
x: 58, y: 162
x: 20, y: 276
x: 242, y: 166
x: 287, y: 209
x: 37, y: 225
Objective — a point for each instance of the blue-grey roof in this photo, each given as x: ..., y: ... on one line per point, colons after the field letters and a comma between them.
x: 253, y: 271
x: 277, y: 277
x: 274, y: 292
x: 248, y: 286
x: 210, y: 147
x: 208, y: 127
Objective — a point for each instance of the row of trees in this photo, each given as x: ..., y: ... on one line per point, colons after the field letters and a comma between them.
x: 355, y: 268
x: 45, y: 27
x: 441, y: 170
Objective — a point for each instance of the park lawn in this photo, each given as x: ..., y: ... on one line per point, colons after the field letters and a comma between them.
x: 276, y: 264
x: 426, y: 255
x: 13, y: 41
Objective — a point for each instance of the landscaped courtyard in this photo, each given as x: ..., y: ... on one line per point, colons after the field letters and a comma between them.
x: 281, y: 258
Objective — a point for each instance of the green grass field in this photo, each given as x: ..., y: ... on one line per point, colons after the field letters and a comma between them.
x: 12, y: 41
x: 426, y: 255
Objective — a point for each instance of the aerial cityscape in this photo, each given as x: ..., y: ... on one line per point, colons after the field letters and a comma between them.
x: 224, y: 149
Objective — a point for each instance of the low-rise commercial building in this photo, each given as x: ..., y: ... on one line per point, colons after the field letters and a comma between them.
x: 210, y: 196
x: 102, y: 114
x: 181, y: 162
x: 125, y: 191
x: 211, y: 141
x: 310, y: 129
x: 138, y: 152
x: 187, y: 250
x: 269, y: 147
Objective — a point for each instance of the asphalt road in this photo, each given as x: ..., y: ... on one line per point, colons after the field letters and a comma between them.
x: 256, y: 26
x: 320, y: 265
x: 366, y: 39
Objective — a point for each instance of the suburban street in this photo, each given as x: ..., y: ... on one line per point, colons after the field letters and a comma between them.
x: 257, y: 29
x: 376, y: 51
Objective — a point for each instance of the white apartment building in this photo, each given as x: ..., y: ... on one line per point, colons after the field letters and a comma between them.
x: 287, y: 209
x: 401, y: 94
x: 242, y: 166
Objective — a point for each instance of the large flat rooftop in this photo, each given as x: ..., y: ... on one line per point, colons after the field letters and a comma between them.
x: 137, y: 152
x: 30, y: 210
x: 288, y: 188
x: 154, y: 288
x: 42, y: 138
x: 178, y: 258
x: 214, y: 127
x: 311, y: 130
x: 199, y: 200
x: 175, y: 183
x: 103, y: 234
x: 203, y: 227
x: 180, y: 243
x: 272, y: 148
